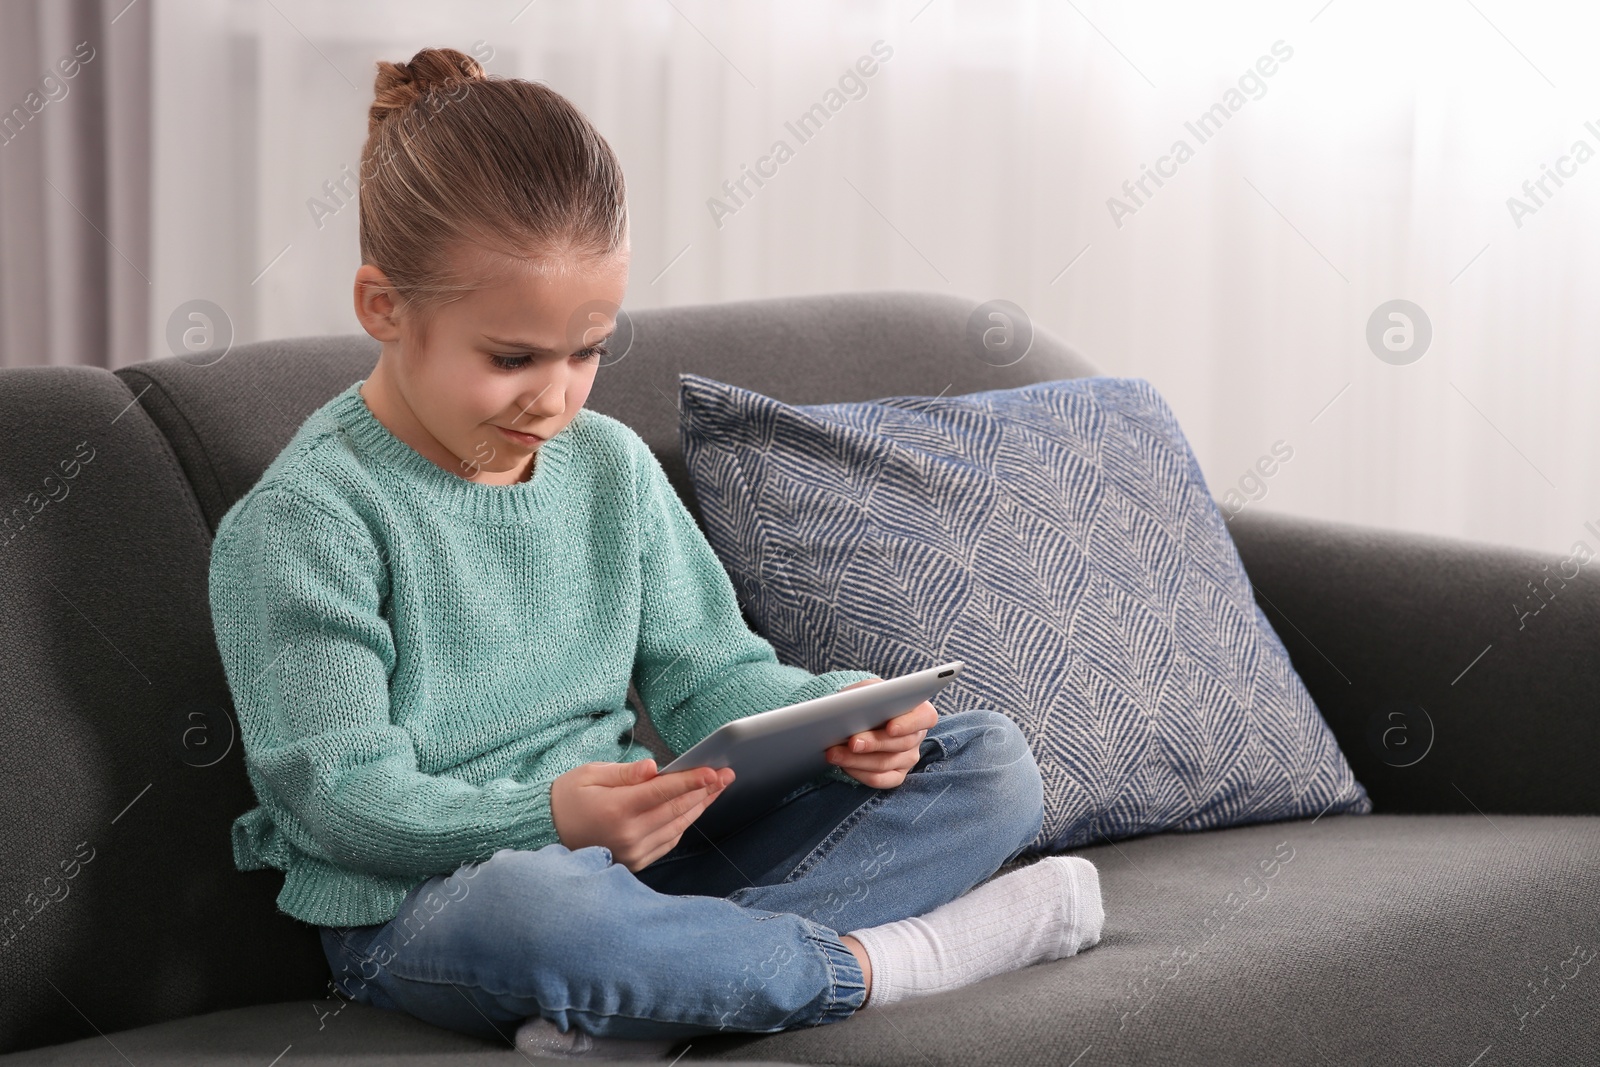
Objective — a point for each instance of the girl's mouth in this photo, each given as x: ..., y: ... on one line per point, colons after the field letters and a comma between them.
x: 526, y: 440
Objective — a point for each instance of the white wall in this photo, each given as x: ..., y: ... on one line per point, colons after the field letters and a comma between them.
x: 1376, y: 165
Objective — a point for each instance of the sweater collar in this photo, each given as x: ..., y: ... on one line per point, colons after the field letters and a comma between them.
x: 521, y: 502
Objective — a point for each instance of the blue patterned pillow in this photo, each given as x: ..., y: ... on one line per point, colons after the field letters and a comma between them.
x: 1058, y: 538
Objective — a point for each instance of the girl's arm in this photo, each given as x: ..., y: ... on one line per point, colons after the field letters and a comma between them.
x: 699, y: 664
x: 296, y: 594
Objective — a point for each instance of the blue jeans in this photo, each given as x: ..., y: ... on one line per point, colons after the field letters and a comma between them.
x: 736, y: 934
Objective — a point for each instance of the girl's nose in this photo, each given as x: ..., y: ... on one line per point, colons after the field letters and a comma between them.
x: 541, y: 404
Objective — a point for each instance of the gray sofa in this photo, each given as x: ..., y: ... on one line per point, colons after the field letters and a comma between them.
x: 1454, y: 925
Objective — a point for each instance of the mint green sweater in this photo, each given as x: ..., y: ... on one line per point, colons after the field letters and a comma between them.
x: 414, y: 657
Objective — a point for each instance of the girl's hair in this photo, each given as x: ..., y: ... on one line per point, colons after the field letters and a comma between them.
x: 457, y: 160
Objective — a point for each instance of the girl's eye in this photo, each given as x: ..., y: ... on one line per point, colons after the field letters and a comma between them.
x: 518, y: 362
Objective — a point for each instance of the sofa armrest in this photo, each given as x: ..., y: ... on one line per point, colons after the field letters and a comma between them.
x: 1381, y: 624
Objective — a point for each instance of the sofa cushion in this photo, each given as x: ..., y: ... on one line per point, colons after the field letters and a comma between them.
x: 1382, y: 939
x: 328, y: 1032
x: 1341, y: 940
x: 1059, y: 539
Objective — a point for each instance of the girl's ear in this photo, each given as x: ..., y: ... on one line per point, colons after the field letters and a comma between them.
x: 375, y: 303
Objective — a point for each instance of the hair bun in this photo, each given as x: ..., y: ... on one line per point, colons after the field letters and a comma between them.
x: 399, y: 85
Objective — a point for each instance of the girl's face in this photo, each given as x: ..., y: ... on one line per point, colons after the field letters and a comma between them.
x: 497, y: 372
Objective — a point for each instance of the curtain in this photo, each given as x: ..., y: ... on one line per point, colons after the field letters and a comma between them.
x: 1336, y: 157
x: 75, y: 265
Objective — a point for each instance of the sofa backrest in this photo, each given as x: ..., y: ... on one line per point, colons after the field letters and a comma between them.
x: 122, y: 773
x: 228, y: 416
x: 120, y: 769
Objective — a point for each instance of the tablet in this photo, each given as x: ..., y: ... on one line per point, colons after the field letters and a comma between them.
x: 773, y: 752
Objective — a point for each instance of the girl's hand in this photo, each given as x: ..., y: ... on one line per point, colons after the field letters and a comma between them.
x: 631, y: 809
x: 881, y: 758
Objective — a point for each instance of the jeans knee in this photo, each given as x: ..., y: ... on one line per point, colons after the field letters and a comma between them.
x: 574, y: 884
x: 552, y: 872
x: 996, y: 745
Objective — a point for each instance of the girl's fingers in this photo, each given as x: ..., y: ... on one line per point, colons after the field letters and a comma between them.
x: 879, y: 741
x: 899, y: 733
x: 875, y: 761
x: 879, y: 779
x: 681, y: 810
x: 921, y: 717
x: 674, y: 827
x: 669, y: 789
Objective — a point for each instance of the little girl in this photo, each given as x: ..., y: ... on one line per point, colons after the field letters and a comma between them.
x: 430, y: 608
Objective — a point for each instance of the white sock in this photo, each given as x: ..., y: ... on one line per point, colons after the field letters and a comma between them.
x: 1043, y: 911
